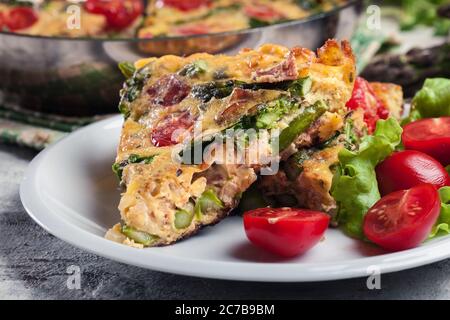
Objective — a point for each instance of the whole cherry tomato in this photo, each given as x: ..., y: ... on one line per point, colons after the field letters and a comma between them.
x: 406, y: 169
x: 431, y: 136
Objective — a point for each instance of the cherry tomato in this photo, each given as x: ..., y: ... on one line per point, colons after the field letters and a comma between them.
x: 185, y: 5
x: 363, y: 97
x: 263, y: 12
x: 406, y: 169
x: 285, y: 231
x: 119, y: 14
x: 2, y: 20
x: 192, y: 29
x: 403, y: 219
x: 20, y: 18
x: 165, y: 132
x: 431, y: 136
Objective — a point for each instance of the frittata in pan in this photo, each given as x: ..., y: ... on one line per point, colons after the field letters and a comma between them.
x: 63, y: 18
x: 181, y: 18
x: 150, y: 19
x: 291, y: 99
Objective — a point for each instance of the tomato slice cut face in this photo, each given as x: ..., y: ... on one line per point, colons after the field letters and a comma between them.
x: 286, y: 232
x: 20, y: 18
x: 430, y: 136
x: 172, y: 129
x: 363, y: 97
x: 2, y: 20
x: 191, y: 29
x: 403, y: 219
x: 119, y: 14
x: 263, y: 12
x: 186, y: 5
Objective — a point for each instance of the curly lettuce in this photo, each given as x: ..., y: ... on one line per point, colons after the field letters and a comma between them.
x: 442, y: 225
x: 355, y: 186
x: 433, y: 100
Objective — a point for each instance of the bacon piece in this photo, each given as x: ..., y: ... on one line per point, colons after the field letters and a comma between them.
x: 168, y: 90
x: 285, y: 70
x: 237, y: 104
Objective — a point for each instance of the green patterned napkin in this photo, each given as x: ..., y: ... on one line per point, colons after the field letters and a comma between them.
x: 37, y: 130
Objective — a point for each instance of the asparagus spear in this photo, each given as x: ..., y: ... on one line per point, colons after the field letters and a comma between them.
x: 411, y: 69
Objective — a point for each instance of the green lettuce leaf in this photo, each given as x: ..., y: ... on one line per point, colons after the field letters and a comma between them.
x: 355, y: 186
x: 442, y: 225
x: 433, y: 100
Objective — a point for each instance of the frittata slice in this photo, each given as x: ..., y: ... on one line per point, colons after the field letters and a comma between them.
x: 305, y: 178
x: 173, y: 104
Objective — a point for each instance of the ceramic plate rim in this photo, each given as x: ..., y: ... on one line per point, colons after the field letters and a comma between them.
x: 244, y: 271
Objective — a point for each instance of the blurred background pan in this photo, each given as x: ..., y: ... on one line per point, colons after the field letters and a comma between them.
x: 79, y: 77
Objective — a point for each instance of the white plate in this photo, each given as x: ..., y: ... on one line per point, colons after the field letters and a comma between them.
x: 70, y: 191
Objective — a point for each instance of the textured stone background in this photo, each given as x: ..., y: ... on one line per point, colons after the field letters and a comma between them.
x: 33, y: 265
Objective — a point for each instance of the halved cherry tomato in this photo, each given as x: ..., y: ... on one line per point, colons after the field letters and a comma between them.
x: 363, y: 97
x: 20, y: 18
x: 186, y: 5
x: 431, y: 136
x: 165, y: 132
x: 403, y: 219
x: 406, y: 169
x: 285, y: 231
x: 263, y: 12
x: 119, y: 14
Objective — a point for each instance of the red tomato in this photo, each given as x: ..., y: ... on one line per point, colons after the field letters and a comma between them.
x: 119, y: 14
x: 363, y: 97
x: 263, y: 12
x: 403, y: 219
x: 185, y: 5
x: 165, y: 132
x: 431, y: 136
x: 2, y: 20
x: 409, y: 168
x: 192, y: 29
x: 20, y: 18
x: 285, y: 231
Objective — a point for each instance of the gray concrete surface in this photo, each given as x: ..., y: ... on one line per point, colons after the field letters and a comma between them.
x: 33, y: 265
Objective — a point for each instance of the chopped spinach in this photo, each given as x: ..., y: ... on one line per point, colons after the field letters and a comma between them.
x: 194, y: 69
x: 308, y: 4
x: 218, y: 90
x: 217, y: 10
x: 131, y: 90
x: 221, y: 89
x: 117, y: 168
